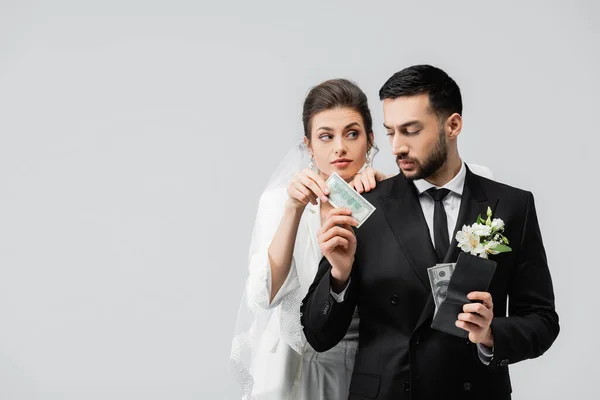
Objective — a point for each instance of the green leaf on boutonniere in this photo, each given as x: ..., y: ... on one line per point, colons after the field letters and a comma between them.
x: 480, y: 220
x: 489, y: 212
x: 502, y: 248
x: 504, y: 239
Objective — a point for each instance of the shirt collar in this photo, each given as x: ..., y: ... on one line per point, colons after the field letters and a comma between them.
x: 456, y: 185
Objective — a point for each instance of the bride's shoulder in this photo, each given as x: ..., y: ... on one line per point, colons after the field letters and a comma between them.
x: 272, y: 202
x: 274, y: 196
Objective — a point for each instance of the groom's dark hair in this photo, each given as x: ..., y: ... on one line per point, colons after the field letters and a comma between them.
x: 444, y: 93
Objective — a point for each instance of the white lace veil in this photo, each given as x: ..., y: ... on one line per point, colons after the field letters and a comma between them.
x: 252, y: 320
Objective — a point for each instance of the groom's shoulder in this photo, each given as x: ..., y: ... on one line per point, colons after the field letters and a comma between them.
x: 502, y: 189
x: 385, y: 188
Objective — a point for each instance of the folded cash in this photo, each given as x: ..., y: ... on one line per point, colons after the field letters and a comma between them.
x: 342, y: 195
x: 439, y: 279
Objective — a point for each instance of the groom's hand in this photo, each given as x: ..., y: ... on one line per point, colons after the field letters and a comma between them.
x: 338, y: 245
x: 476, y: 318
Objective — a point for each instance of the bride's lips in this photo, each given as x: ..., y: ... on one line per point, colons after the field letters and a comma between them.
x: 341, y: 162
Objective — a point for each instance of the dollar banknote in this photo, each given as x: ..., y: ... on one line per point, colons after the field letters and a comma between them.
x: 342, y: 195
x: 439, y: 279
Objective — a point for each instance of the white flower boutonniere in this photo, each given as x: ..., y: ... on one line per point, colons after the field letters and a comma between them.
x: 483, y: 237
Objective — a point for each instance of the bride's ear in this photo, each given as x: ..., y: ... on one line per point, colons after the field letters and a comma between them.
x: 307, y: 144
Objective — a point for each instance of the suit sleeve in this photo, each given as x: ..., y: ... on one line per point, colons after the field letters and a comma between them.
x: 532, y: 324
x: 326, y: 321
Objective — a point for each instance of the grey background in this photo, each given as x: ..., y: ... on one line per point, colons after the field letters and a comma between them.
x: 136, y: 137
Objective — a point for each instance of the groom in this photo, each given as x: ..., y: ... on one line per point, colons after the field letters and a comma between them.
x: 382, y: 267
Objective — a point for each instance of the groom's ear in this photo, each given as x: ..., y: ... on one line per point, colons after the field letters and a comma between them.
x: 453, y: 126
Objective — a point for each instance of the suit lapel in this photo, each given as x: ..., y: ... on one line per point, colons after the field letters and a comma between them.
x: 474, y: 202
x: 405, y: 217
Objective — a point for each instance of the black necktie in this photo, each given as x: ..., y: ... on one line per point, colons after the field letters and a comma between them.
x: 440, y: 222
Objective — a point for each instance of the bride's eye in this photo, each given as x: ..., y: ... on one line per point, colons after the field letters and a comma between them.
x: 325, y: 137
x: 352, y: 134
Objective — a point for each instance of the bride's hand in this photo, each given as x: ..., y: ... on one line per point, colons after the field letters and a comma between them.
x: 367, y: 179
x: 307, y: 186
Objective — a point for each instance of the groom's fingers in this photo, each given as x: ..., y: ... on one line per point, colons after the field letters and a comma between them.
x: 474, y: 319
x: 469, y: 327
x: 484, y: 297
x: 475, y: 331
x: 478, y: 308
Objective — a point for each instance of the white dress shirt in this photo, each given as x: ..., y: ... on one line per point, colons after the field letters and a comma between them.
x: 451, y: 201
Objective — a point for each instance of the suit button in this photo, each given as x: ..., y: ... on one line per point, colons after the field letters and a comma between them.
x: 417, y: 340
x: 467, y: 386
x: 406, y: 386
x: 326, y: 308
x: 503, y: 363
x: 394, y: 300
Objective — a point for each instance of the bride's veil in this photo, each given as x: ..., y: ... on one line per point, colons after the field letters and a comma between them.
x: 251, y: 319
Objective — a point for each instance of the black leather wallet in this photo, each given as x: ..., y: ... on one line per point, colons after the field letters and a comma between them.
x: 471, y: 274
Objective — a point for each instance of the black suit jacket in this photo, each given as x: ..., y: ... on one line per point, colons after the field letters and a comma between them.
x: 400, y: 355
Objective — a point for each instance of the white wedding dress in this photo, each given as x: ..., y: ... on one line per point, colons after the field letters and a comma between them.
x: 286, y: 367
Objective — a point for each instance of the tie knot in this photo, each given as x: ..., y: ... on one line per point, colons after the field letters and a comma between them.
x: 438, y: 194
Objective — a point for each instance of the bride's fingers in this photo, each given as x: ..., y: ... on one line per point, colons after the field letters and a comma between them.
x: 318, y: 180
x: 337, y: 231
x: 330, y: 245
x: 366, y: 180
x: 371, y: 175
x: 312, y: 185
x: 303, y: 194
x: 341, y: 218
x: 357, y: 183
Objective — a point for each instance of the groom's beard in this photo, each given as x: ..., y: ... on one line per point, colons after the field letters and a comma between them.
x: 432, y: 163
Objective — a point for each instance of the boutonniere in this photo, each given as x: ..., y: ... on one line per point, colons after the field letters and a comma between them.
x: 484, y: 237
